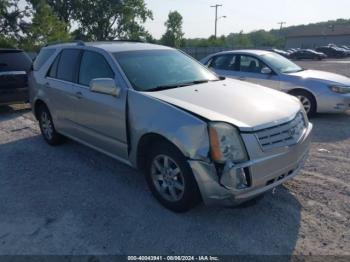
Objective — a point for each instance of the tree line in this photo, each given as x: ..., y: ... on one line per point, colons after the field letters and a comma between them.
x: 30, y: 24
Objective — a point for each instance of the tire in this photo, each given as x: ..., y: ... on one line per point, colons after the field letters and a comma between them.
x: 170, y: 178
x: 47, y: 127
x: 307, y: 100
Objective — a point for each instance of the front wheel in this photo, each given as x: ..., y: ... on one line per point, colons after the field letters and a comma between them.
x: 307, y: 100
x: 170, y: 178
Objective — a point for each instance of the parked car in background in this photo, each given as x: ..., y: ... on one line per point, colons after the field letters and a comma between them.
x: 332, y: 52
x: 345, y: 47
x: 281, y: 52
x: 14, y: 67
x: 196, y: 136
x: 318, y: 91
x: 347, y: 52
x: 292, y: 50
x: 307, y: 54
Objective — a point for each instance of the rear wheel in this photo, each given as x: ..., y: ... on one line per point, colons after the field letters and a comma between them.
x: 170, y: 178
x: 307, y: 100
x: 47, y: 127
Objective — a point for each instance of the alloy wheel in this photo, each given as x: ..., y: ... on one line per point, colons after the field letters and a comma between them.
x: 305, y: 102
x: 167, y: 178
x: 46, y: 125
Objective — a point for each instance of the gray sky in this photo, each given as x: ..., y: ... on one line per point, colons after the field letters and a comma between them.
x: 246, y: 15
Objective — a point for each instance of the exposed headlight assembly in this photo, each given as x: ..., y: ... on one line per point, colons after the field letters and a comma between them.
x: 226, y: 143
x: 340, y: 89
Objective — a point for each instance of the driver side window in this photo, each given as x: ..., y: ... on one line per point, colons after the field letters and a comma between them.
x: 251, y: 64
x: 93, y: 65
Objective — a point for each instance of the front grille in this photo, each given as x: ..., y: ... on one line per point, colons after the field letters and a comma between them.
x: 285, y: 134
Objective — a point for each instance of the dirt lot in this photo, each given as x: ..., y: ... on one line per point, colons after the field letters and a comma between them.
x: 73, y: 200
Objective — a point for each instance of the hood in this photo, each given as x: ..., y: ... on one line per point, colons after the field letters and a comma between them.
x: 325, y: 77
x: 249, y: 107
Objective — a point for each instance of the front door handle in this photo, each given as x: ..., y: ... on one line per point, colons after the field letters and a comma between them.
x: 242, y: 78
x: 79, y: 95
x: 47, y: 85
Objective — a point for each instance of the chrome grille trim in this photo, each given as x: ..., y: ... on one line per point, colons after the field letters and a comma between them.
x: 282, y: 135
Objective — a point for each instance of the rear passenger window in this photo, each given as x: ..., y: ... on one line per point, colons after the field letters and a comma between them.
x: 224, y: 62
x: 93, y: 65
x: 67, y: 65
x: 43, y: 56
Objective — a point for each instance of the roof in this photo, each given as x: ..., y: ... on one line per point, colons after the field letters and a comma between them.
x: 10, y: 50
x: 115, y: 46
x: 319, y: 30
x: 247, y: 51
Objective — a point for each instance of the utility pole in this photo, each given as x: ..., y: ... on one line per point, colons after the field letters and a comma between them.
x: 216, y: 17
x: 281, y: 25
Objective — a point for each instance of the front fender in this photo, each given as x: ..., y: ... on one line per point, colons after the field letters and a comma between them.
x: 150, y: 115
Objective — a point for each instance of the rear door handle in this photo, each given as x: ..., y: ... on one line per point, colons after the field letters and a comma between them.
x: 47, y: 85
x: 242, y: 78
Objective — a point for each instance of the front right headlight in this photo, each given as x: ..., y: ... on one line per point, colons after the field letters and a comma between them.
x: 226, y: 143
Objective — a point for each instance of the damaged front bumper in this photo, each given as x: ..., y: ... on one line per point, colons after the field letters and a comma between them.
x: 263, y: 172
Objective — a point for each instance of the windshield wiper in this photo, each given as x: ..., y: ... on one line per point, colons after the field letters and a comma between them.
x: 165, y: 87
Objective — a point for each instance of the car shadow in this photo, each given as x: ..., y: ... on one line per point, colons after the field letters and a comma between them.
x: 12, y: 111
x: 73, y: 200
x: 331, y: 127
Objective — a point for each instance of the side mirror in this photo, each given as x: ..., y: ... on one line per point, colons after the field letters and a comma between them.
x: 266, y: 71
x: 105, y: 86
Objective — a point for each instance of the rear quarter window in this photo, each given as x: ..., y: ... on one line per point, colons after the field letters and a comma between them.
x: 43, y: 56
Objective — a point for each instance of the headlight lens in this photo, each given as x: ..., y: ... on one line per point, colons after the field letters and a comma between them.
x: 226, y: 143
x: 340, y: 89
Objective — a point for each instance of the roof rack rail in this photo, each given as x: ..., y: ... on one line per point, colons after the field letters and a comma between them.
x: 78, y: 42
x: 128, y: 40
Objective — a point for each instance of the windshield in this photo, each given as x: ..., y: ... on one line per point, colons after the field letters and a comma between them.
x: 152, y: 69
x: 281, y: 64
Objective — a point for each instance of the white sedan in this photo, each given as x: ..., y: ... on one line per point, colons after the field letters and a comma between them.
x: 318, y: 91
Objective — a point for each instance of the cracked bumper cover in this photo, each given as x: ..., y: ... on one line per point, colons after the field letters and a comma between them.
x: 266, y: 171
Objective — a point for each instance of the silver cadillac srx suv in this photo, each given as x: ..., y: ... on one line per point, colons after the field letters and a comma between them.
x: 196, y: 136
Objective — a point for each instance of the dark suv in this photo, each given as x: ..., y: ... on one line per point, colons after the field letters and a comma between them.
x: 14, y: 66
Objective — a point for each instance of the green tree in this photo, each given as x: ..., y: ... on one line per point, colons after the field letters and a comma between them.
x: 63, y: 9
x: 45, y: 28
x: 13, y: 20
x: 173, y: 35
x: 6, y: 42
x: 243, y: 41
x: 111, y: 19
x: 262, y: 38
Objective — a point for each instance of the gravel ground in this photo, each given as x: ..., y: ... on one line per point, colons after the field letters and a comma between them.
x: 73, y: 200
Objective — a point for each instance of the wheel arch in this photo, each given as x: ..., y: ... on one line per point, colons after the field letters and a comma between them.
x: 296, y: 90
x: 37, y: 104
x: 144, y: 146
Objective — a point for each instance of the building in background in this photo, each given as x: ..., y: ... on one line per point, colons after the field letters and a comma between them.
x: 318, y: 35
